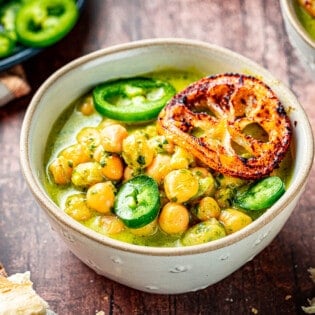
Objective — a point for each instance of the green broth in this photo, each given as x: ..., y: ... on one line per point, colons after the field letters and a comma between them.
x: 64, y: 133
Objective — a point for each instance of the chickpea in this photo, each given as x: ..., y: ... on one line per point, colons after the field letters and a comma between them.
x: 113, y: 167
x: 234, y: 220
x: 224, y: 197
x: 106, y: 122
x: 161, y: 145
x: 204, y: 232
x: 77, y: 154
x: 77, y: 208
x: 146, y: 230
x: 206, y: 209
x: 99, y: 154
x: 207, y: 184
x: 180, y: 185
x: 61, y: 170
x: 137, y: 152
x: 87, y: 107
x: 159, y: 167
x: 101, y: 197
x: 112, y: 136
x: 128, y: 173
x: 229, y: 181
x: 110, y: 224
x: 174, y: 218
x: 87, y: 174
x: 89, y: 137
x: 112, y: 164
x: 181, y: 158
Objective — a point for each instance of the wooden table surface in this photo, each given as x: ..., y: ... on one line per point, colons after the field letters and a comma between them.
x: 275, y: 282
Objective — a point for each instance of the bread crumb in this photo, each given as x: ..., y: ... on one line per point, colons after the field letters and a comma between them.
x: 254, y: 310
x: 288, y: 297
x: 310, y: 309
x: 100, y: 313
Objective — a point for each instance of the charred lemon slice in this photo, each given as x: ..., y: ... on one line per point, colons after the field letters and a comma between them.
x: 233, y: 123
x: 309, y: 6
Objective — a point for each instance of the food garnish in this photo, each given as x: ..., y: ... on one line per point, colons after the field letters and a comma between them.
x: 138, y: 202
x: 309, y: 6
x: 211, y: 116
x: 132, y: 100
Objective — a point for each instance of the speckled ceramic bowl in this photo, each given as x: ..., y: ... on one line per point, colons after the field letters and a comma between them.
x: 156, y: 270
x: 298, y: 36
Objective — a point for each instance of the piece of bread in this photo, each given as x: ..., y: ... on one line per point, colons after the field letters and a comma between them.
x: 2, y: 271
x: 17, y: 296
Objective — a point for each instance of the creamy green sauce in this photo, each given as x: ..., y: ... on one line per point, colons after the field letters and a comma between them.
x: 306, y: 19
x: 64, y: 133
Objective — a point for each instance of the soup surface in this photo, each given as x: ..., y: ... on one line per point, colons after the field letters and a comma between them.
x: 306, y: 19
x: 107, y: 175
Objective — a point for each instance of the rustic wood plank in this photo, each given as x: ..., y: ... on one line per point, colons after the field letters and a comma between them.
x: 275, y: 282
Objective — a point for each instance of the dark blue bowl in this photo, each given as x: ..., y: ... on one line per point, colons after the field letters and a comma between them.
x: 23, y: 53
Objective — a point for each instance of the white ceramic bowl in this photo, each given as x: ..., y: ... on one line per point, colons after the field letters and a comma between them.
x: 298, y: 36
x: 156, y: 270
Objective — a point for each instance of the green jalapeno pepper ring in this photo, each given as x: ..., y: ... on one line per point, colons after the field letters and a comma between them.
x: 8, y: 14
x: 138, y: 201
x: 132, y: 100
x: 6, y: 45
x: 261, y: 195
x: 7, y: 28
x: 42, y: 23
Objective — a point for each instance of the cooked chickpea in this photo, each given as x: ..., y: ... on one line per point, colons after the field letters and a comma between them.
x: 77, y: 208
x: 159, y: 167
x: 161, y: 145
x: 206, y: 209
x: 174, y: 218
x: 112, y: 164
x: 110, y: 224
x: 234, y: 220
x: 113, y: 167
x: 101, y: 197
x: 224, y: 197
x: 181, y: 158
x: 112, y: 136
x: 87, y: 107
x: 61, y: 170
x: 229, y: 181
x: 89, y: 137
x: 180, y: 185
x: 146, y: 230
x: 207, y: 183
x: 77, y: 154
x: 204, y: 232
x: 87, y: 174
x: 137, y: 152
x: 128, y: 173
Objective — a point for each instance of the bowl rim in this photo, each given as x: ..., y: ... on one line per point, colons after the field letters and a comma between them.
x: 289, y: 13
x: 54, y: 212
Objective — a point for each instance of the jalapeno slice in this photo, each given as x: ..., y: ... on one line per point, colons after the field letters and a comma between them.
x: 42, y: 23
x: 8, y: 14
x: 138, y: 201
x: 262, y: 195
x: 6, y: 45
x: 132, y: 100
x: 7, y: 28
